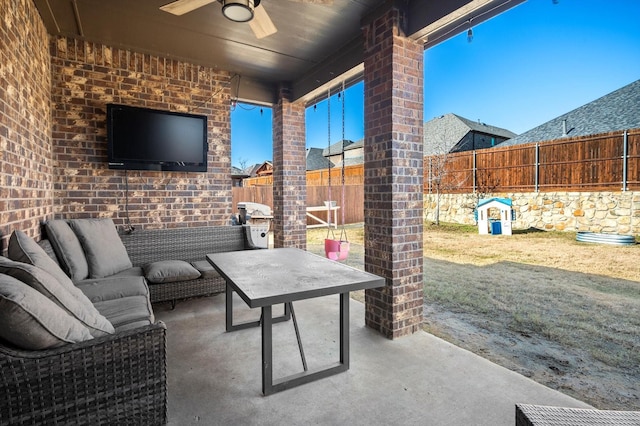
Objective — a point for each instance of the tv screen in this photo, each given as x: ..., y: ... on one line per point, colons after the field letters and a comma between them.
x: 148, y: 139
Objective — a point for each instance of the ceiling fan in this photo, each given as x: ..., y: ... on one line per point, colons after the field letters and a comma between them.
x: 250, y: 11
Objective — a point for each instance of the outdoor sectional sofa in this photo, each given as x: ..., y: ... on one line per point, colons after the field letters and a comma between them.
x: 190, y: 245
x: 79, y: 343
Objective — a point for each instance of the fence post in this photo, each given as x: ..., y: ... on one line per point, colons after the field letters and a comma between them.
x: 537, y: 167
x: 474, y: 171
x: 625, y: 157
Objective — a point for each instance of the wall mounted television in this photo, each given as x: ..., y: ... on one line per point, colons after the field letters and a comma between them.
x: 149, y: 139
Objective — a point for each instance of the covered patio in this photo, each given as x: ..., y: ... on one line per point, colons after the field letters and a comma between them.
x: 68, y: 60
x: 195, y: 60
x: 214, y: 376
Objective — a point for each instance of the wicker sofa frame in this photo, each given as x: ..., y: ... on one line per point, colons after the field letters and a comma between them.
x: 117, y: 379
x: 121, y: 378
x: 540, y: 415
x: 188, y: 244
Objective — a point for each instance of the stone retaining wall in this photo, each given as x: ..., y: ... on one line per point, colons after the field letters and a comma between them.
x: 606, y: 212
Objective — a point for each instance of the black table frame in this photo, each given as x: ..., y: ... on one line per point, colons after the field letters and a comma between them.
x: 269, y: 385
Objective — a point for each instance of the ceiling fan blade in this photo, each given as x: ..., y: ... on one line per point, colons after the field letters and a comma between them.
x: 180, y: 7
x: 261, y: 24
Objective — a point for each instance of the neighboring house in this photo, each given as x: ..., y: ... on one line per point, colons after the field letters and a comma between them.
x: 251, y: 170
x: 265, y: 169
x: 315, y: 159
x: 260, y: 169
x: 452, y: 133
x: 334, y: 152
x: 619, y: 110
x: 237, y: 175
x: 353, y: 153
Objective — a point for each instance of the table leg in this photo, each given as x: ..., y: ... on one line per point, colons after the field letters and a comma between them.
x: 230, y: 326
x: 344, y: 330
x: 269, y: 386
x: 267, y: 351
x: 229, y: 308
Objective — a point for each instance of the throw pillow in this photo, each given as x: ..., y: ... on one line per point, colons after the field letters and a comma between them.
x: 30, y: 321
x: 48, y: 248
x: 26, y: 250
x: 105, y: 253
x: 68, y: 249
x: 77, y: 305
x: 168, y: 271
x: 205, y: 269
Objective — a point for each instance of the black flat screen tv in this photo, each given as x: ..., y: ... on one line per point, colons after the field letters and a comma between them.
x: 148, y: 139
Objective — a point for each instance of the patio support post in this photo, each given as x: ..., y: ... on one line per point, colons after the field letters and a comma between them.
x: 393, y: 174
x: 289, y: 173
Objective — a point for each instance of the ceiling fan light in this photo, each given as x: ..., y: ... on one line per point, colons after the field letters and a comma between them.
x: 238, y: 10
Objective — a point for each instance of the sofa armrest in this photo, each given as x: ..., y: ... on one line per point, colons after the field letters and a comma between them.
x: 118, y: 379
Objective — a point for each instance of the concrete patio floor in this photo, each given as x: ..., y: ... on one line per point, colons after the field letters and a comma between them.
x: 215, y: 376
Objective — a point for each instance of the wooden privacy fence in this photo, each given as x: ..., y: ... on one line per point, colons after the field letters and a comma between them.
x: 316, y: 196
x: 605, y: 162
x: 353, y: 175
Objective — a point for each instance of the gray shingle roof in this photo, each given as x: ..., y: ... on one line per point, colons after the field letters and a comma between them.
x: 336, y: 148
x: 315, y: 159
x: 355, y: 145
x: 448, y: 132
x: 486, y: 128
x: 236, y: 171
x: 619, y: 110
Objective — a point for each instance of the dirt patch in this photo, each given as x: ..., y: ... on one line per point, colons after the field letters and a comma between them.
x: 570, y: 370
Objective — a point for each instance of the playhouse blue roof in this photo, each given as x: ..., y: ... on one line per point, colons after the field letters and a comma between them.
x: 505, y: 201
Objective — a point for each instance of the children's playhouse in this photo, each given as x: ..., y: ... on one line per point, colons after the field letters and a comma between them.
x: 502, y: 226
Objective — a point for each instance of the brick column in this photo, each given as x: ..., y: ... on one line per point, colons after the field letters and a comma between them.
x: 393, y: 175
x: 289, y: 173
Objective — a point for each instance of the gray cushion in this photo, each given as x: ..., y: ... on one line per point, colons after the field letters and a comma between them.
x: 101, y: 289
x: 168, y: 271
x: 68, y: 249
x: 127, y: 312
x: 30, y: 321
x: 24, y: 249
x: 102, y: 246
x: 135, y: 271
x: 48, y: 248
x: 71, y: 300
x: 205, y: 269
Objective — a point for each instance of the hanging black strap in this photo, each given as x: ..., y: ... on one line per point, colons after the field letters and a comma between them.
x: 329, y: 229
x: 343, y: 232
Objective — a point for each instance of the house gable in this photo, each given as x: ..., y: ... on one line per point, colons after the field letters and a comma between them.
x: 452, y: 133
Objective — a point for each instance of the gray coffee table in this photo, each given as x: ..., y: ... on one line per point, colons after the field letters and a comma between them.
x: 264, y: 278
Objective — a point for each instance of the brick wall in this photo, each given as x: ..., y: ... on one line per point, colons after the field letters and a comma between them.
x: 289, y: 173
x: 85, y: 77
x: 26, y: 190
x: 393, y: 151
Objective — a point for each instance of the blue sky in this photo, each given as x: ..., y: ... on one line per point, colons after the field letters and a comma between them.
x: 523, y: 68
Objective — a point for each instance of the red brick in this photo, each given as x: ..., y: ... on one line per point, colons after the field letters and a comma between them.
x: 393, y: 176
